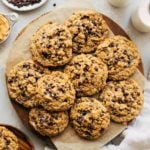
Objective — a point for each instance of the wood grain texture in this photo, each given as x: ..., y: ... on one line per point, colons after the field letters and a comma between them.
x: 23, y: 112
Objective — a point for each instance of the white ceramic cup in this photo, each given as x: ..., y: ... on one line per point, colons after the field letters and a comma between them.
x: 141, y: 17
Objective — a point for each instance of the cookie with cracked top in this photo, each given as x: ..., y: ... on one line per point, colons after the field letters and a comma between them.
x: 56, y: 91
x: 121, y: 56
x: 90, y: 119
x: 87, y: 73
x: 22, y: 81
x: 51, y: 45
x: 123, y: 99
x: 48, y: 123
x: 88, y: 29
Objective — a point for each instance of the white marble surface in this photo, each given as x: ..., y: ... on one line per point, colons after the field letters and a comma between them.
x: 120, y: 15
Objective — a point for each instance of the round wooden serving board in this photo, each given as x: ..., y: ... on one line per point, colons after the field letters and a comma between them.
x: 20, y: 51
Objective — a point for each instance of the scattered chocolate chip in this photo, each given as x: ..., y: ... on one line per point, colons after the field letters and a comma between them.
x: 54, y: 4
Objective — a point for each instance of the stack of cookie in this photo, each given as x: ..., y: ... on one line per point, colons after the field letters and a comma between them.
x: 78, y: 74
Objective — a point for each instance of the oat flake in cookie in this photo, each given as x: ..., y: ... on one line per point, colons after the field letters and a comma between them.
x: 87, y: 73
x: 56, y: 91
x: 121, y: 56
x: 123, y: 99
x: 51, y: 45
x: 88, y: 29
x: 22, y: 80
x: 48, y: 123
x: 89, y: 118
x: 8, y: 140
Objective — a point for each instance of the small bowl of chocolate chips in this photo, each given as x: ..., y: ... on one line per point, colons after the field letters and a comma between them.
x: 24, y: 5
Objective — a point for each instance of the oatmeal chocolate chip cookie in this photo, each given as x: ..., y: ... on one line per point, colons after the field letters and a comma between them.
x: 87, y: 73
x: 48, y: 123
x: 22, y: 80
x: 123, y: 99
x: 89, y: 118
x: 8, y: 141
x: 56, y: 91
x: 88, y: 29
x: 121, y: 56
x: 51, y: 45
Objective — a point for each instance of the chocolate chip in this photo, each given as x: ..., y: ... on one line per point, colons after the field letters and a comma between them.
x: 76, y: 76
x: 7, y: 142
x: 86, y: 80
x: 86, y: 68
x: 102, y: 130
x: 80, y: 119
x: 84, y: 112
x: 51, y: 123
x: 54, y: 4
x: 23, y: 94
x: 126, y: 94
x: 125, y: 52
x: 45, y: 55
x: 85, y: 17
x: 26, y: 66
x: 48, y: 46
x: 96, y: 69
x: 62, y: 90
x: 90, y: 126
x: 10, y: 81
x: 111, y: 45
x: 88, y: 133
x: 138, y: 94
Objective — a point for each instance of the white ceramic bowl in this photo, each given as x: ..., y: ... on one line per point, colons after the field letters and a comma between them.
x: 24, y: 8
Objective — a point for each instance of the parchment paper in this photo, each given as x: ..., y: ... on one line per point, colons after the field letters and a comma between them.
x: 19, y: 51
